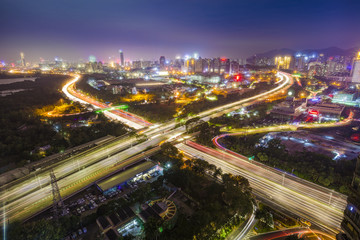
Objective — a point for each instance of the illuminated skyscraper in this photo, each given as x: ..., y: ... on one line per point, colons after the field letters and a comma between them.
x: 22, y: 57
x: 216, y: 65
x: 283, y: 62
x: 122, y: 62
x: 199, y: 65
x: 224, y: 65
x: 356, y: 70
x: 162, y: 61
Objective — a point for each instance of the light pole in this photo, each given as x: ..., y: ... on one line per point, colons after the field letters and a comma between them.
x: 331, y: 196
x: 77, y: 163
x: 37, y: 179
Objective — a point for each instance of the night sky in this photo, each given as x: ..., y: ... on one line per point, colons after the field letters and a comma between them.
x: 147, y: 29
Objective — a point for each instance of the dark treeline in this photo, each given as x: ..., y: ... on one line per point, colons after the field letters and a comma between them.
x: 205, y: 104
x: 23, y: 131
x: 217, y: 201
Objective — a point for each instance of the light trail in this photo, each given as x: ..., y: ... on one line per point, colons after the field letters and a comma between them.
x: 300, y: 198
x: 70, y: 96
x: 127, y: 118
x: 112, y: 115
x: 248, y: 226
x: 33, y: 194
x: 320, y: 190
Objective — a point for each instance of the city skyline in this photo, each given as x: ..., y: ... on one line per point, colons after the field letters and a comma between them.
x: 177, y: 120
x: 227, y: 28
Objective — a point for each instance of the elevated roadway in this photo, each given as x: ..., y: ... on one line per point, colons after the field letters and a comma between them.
x: 30, y: 195
x: 319, y: 205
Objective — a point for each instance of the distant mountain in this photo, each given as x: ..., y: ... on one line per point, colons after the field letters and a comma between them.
x: 331, y: 51
x: 276, y: 52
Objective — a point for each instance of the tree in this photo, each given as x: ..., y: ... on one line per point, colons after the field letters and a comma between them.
x: 152, y: 228
x: 265, y: 216
x: 217, y: 172
x: 190, y: 121
x: 207, y: 133
x: 169, y: 150
x: 236, y: 181
x: 42, y: 229
x: 294, y: 237
x: 200, y: 166
x: 262, y: 157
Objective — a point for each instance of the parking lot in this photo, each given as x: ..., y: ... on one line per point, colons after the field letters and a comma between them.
x: 87, y: 202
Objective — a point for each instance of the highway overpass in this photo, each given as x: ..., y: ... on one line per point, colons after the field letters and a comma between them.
x: 319, y: 205
x: 32, y: 194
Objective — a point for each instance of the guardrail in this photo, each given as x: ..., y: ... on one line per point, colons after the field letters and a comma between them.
x: 334, y: 197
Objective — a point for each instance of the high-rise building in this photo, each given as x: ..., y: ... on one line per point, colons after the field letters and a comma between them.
x: 136, y: 64
x: 146, y: 64
x: 216, y: 65
x: 234, y: 67
x: 224, y: 65
x: 207, y: 65
x: 162, y: 61
x: 300, y: 63
x: 198, y: 65
x: 283, y: 62
x: 178, y: 63
x: 350, y: 225
x: 356, y: 70
x: 122, y: 61
x: 189, y: 65
x: 22, y: 57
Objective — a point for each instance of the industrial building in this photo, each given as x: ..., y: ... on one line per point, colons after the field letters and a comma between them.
x: 136, y: 172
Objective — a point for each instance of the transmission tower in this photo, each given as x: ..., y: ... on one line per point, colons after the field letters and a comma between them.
x: 57, y: 200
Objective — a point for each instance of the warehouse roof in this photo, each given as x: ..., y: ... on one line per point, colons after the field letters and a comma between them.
x: 124, y: 176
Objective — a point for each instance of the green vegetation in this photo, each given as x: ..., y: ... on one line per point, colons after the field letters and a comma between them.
x: 205, y: 104
x: 207, y: 133
x: 221, y: 205
x: 255, y: 113
x: 153, y: 111
x: 24, y: 132
x: 266, y: 221
x: 42, y: 229
x: 46, y: 229
x: 156, y: 111
x: 102, y: 127
x: 311, y: 166
x: 60, y: 108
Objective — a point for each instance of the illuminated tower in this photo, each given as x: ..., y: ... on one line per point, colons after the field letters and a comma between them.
x: 22, y: 57
x: 122, y: 62
x: 162, y: 61
x: 283, y: 62
x: 356, y: 70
